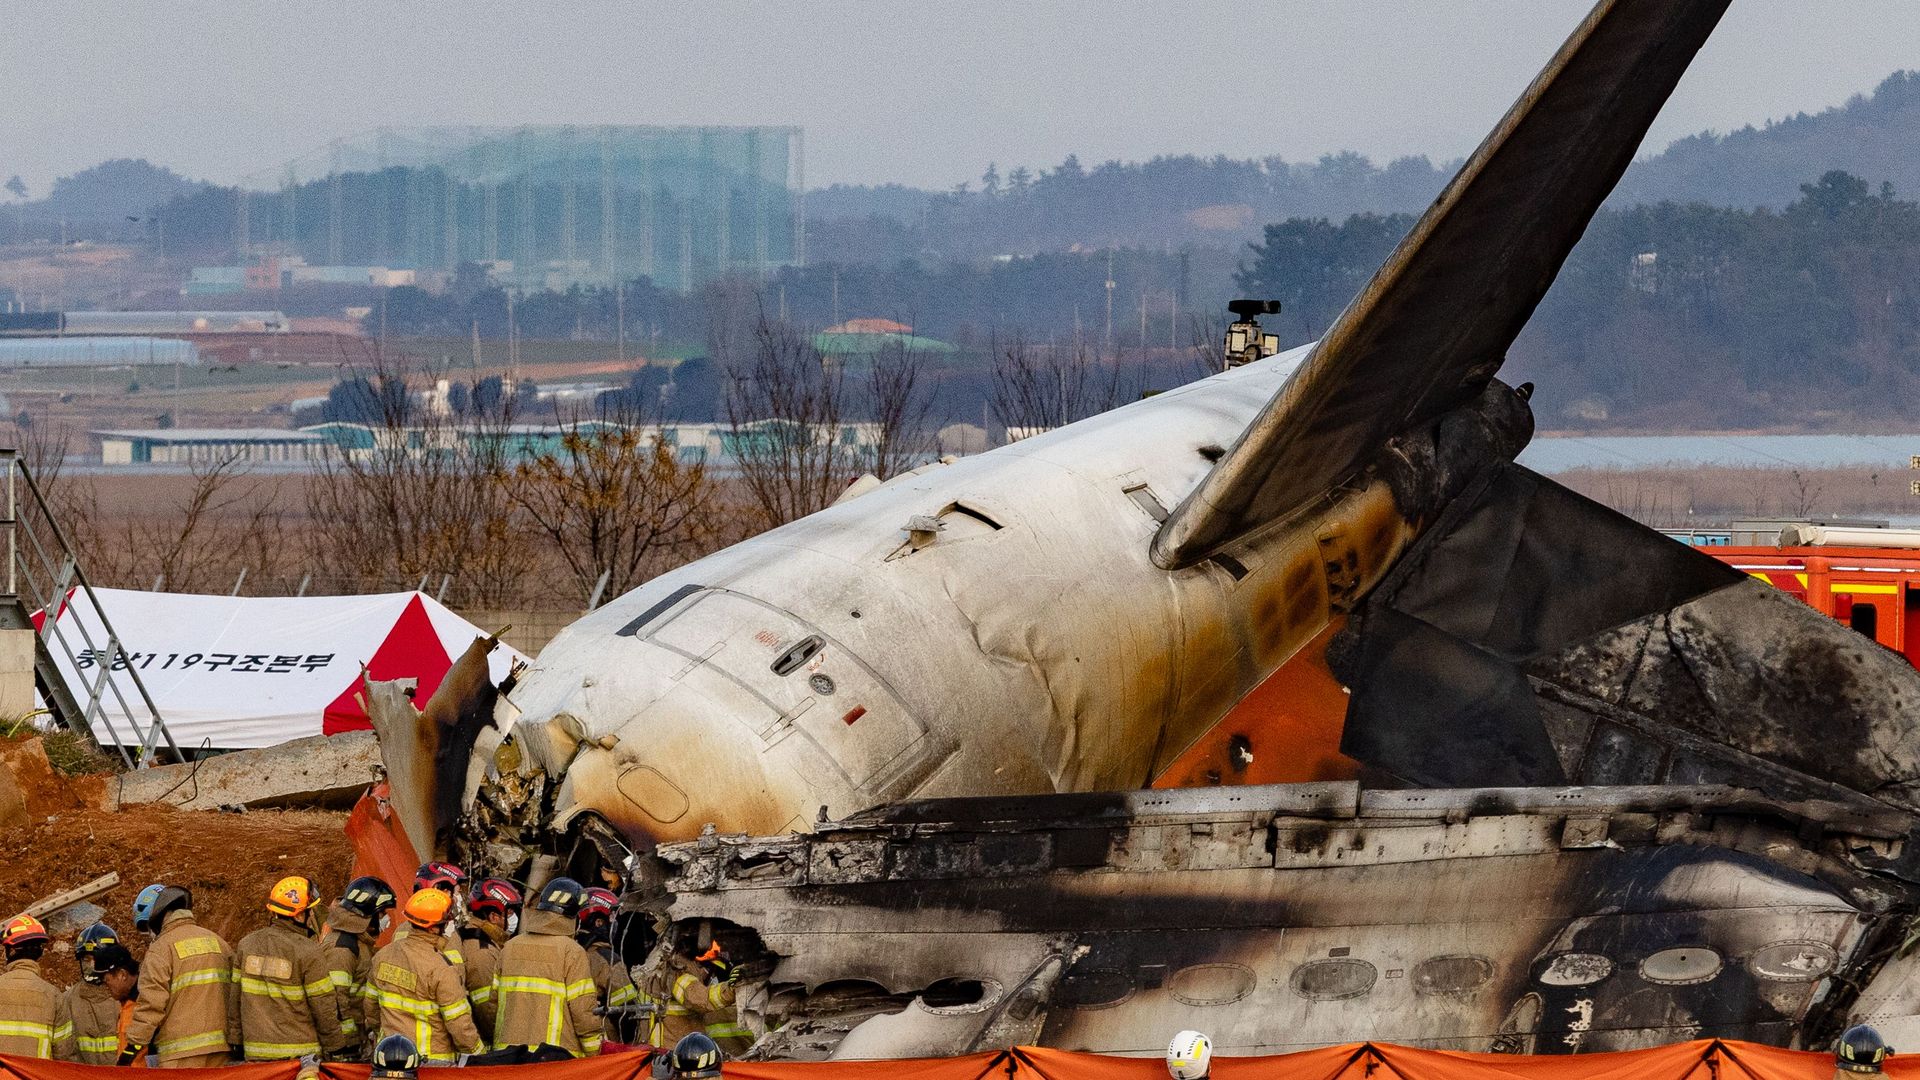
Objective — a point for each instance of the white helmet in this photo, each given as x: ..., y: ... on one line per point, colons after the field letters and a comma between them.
x: 1189, y: 1055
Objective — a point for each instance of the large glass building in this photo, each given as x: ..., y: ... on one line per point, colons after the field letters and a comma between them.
x: 543, y: 207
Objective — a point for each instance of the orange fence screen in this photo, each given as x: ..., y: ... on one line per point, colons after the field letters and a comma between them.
x: 1702, y: 1060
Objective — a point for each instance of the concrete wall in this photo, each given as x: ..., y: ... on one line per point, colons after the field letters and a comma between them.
x: 531, y: 629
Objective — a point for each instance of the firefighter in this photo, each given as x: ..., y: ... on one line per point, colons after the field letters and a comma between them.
x: 1190, y: 1056
x: 699, y: 994
x: 493, y: 912
x: 181, y: 1013
x: 694, y: 1057
x: 120, y: 974
x: 354, y: 925
x: 544, y: 987
x: 611, y: 978
x: 91, y: 1002
x: 284, y: 996
x: 34, y: 1019
x: 396, y: 1058
x: 1861, y: 1052
x: 414, y: 990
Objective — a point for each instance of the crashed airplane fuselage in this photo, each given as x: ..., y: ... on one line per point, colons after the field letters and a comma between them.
x: 1074, y: 612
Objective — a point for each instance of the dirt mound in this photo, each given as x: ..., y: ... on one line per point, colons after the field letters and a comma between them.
x: 46, y: 790
x: 227, y: 860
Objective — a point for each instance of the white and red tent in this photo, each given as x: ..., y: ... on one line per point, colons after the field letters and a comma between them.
x: 240, y: 671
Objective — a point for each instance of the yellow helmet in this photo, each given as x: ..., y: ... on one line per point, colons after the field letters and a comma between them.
x: 292, y: 896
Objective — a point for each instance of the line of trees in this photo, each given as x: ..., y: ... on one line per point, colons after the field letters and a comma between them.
x: 1681, y: 317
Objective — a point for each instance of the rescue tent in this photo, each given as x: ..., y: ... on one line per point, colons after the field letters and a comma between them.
x: 1702, y: 1060
x: 239, y: 671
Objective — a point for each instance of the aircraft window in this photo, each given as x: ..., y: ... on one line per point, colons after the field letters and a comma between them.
x: 1576, y: 969
x: 657, y: 610
x: 1213, y: 984
x: 1792, y: 961
x: 1093, y: 988
x: 1334, y: 980
x: 1865, y: 618
x: 960, y: 995
x: 1451, y: 974
x: 1681, y: 966
x: 790, y: 661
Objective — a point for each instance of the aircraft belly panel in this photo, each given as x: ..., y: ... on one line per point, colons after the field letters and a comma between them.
x: 1569, y: 920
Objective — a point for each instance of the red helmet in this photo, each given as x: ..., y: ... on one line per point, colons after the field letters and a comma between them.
x: 597, y: 907
x: 494, y: 896
x: 440, y: 875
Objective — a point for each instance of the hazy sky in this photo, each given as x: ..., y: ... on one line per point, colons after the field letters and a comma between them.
x: 924, y: 93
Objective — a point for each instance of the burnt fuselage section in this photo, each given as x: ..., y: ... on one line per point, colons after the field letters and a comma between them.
x: 1277, y: 918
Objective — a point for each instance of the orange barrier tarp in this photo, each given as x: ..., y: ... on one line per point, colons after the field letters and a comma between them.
x: 1702, y: 1060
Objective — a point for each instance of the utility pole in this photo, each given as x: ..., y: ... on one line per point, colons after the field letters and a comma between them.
x: 1107, y: 342
x: 620, y: 320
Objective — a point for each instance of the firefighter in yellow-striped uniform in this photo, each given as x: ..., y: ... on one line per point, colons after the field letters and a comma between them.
x: 354, y: 923
x: 34, y: 1018
x: 181, y: 1014
x: 93, y: 1005
x: 544, y: 988
x: 610, y: 975
x: 284, y: 992
x: 697, y: 992
x: 414, y: 990
x: 493, y: 909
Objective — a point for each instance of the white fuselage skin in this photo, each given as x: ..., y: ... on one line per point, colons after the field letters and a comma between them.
x: 1027, y: 646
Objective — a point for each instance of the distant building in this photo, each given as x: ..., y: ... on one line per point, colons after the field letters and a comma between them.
x: 206, y: 446
x: 860, y: 340
x: 542, y: 206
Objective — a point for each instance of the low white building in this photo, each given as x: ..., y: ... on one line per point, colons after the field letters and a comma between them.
x: 208, y: 446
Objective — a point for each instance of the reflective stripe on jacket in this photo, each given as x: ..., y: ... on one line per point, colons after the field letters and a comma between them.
x: 96, y: 1023
x: 182, y: 1008
x: 545, y: 990
x: 283, y: 995
x: 348, y: 949
x: 34, y: 1017
x: 615, y: 984
x: 414, y: 990
x: 480, y: 952
x: 708, y: 1006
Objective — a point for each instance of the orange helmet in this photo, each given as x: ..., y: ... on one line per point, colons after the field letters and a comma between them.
x: 22, y: 930
x: 292, y: 896
x: 428, y: 908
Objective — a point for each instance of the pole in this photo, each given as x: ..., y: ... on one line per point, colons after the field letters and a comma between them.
x: 620, y: 321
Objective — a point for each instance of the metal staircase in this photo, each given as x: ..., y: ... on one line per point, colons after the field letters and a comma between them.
x: 85, y: 678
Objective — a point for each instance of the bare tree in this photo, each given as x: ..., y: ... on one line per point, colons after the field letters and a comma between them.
x: 426, y: 498
x: 1040, y: 387
x: 898, y: 402
x: 787, y: 430
x: 615, y: 498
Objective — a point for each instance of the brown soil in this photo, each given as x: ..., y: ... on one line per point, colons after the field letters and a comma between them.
x: 227, y: 860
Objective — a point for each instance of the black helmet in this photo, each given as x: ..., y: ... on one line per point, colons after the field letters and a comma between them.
x: 395, y: 1058
x: 693, y: 1056
x: 562, y: 896
x: 93, y: 937
x: 1861, y: 1050
x: 367, y: 897
x: 88, y: 946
